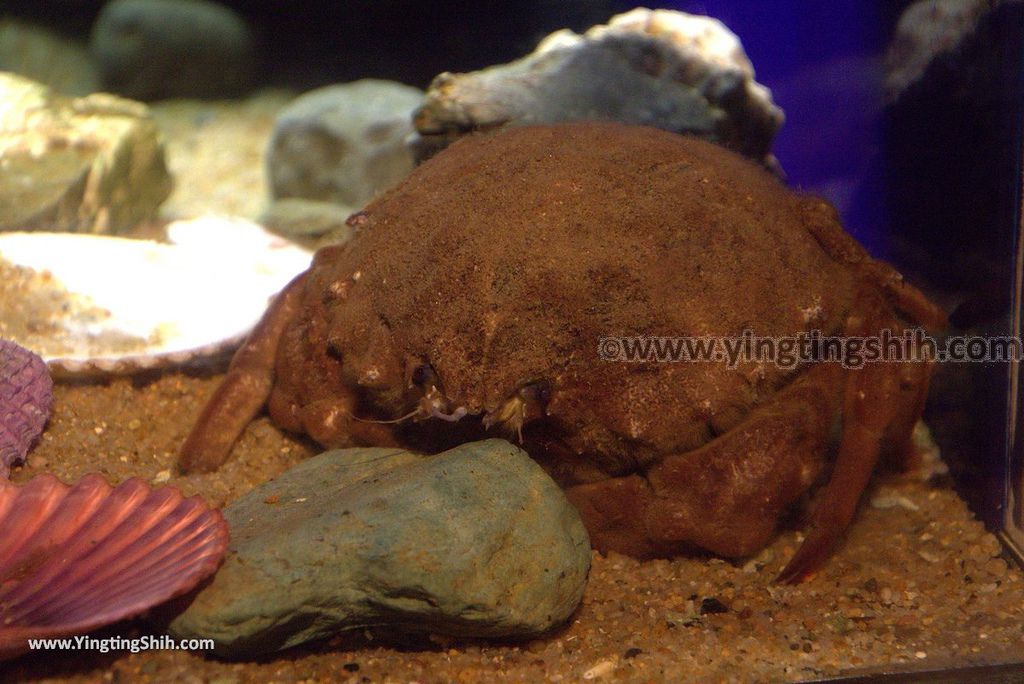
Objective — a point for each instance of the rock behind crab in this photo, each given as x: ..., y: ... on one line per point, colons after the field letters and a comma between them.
x: 672, y: 70
x: 480, y: 287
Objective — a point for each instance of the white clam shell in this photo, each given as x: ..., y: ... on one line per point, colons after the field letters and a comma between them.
x: 179, y: 302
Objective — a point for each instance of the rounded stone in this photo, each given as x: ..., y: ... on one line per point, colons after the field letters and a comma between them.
x: 475, y: 541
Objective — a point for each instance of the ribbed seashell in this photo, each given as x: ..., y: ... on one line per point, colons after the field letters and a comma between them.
x: 75, y: 558
x: 26, y: 397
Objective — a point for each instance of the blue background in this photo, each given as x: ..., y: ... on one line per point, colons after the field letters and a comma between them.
x: 823, y: 64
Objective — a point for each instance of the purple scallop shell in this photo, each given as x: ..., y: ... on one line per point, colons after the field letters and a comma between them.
x: 26, y: 397
x: 76, y: 558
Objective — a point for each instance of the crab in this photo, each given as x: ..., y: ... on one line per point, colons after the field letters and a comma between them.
x: 473, y: 296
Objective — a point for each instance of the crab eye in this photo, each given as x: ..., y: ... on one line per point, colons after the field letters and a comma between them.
x: 334, y: 350
x: 423, y: 375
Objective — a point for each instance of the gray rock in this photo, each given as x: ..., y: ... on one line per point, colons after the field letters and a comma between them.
x: 661, y: 68
x: 150, y: 49
x: 343, y: 143
x: 93, y: 164
x: 475, y: 541
x: 309, y: 222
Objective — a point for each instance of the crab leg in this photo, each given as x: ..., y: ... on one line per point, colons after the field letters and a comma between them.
x: 914, y: 379
x: 244, y: 390
x: 904, y: 297
x: 871, y: 407
x: 880, y: 400
x: 725, y: 496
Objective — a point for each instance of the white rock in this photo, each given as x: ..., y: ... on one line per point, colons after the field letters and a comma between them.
x: 668, y: 69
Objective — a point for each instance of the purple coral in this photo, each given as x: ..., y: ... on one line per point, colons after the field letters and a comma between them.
x: 26, y: 397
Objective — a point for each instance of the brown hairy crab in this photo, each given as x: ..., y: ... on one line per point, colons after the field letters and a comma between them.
x: 473, y: 296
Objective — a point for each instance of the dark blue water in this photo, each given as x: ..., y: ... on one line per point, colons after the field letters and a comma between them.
x: 823, y: 63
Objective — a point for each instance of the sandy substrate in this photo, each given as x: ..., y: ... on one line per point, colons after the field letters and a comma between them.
x: 910, y: 588
x: 918, y: 583
x: 215, y: 154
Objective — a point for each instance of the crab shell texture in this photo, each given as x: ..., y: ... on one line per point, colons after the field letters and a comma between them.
x: 474, y: 296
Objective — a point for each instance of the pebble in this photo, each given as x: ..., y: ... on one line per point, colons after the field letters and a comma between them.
x: 888, y: 500
x: 713, y: 606
x: 475, y: 541
x: 601, y: 669
x: 996, y: 567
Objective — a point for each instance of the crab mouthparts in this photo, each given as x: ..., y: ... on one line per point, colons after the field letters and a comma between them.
x: 435, y: 405
x: 453, y: 417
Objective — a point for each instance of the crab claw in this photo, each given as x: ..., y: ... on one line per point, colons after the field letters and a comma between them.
x: 528, y: 403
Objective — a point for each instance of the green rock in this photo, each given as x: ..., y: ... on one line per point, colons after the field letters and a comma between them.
x: 93, y: 164
x: 475, y: 541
